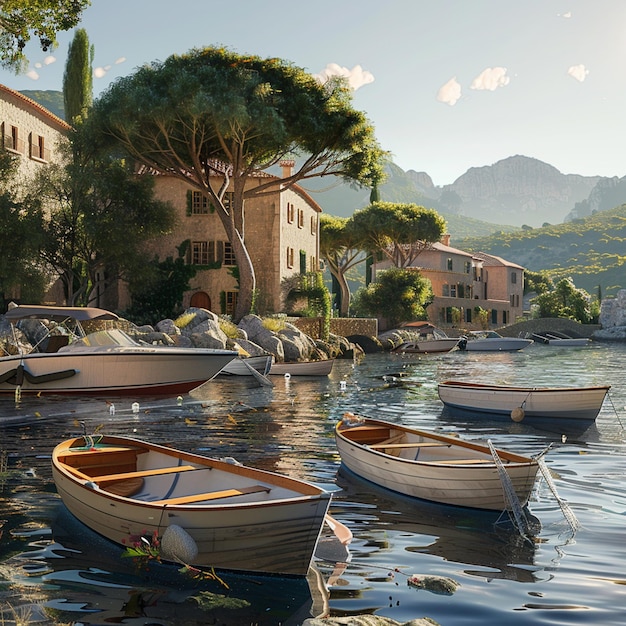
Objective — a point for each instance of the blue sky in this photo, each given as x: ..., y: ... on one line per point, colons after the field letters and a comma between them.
x: 448, y: 84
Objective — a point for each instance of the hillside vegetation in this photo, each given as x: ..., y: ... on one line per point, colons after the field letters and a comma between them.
x: 590, y: 250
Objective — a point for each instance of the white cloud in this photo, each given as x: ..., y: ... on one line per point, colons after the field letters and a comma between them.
x: 356, y: 77
x: 32, y: 74
x: 491, y: 78
x: 450, y: 92
x: 566, y: 15
x: 99, y: 72
x: 579, y: 72
x: 120, y: 60
x: 49, y: 60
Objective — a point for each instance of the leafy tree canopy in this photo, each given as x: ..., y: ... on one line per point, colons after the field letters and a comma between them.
x: 213, y: 118
x: 398, y: 231
x: 565, y: 300
x: 398, y: 295
x: 22, y: 19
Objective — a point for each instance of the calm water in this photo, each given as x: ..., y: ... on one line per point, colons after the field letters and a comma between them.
x: 562, y: 577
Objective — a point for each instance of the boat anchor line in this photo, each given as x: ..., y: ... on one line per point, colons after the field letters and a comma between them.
x: 515, y: 509
x: 568, y: 514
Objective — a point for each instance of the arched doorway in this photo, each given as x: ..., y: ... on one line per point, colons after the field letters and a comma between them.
x: 201, y: 300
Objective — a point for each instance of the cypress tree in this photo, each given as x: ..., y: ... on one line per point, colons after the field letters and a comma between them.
x: 78, y: 77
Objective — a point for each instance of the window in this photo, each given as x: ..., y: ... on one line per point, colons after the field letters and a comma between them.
x: 230, y: 302
x: 229, y: 255
x: 313, y: 225
x: 505, y: 317
x: 290, y: 213
x: 302, y: 262
x: 468, y: 315
x: 199, y: 203
x: 300, y: 218
x: 227, y: 200
x: 453, y: 291
x: 200, y: 252
x: 445, y: 290
x: 38, y: 148
x: 514, y: 278
x: 449, y: 264
x: 12, y: 140
x: 289, y: 257
x: 468, y: 267
x: 494, y: 316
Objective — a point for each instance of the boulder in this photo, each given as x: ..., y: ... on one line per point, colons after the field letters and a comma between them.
x: 167, y: 326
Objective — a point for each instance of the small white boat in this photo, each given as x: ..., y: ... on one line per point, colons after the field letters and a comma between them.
x: 104, y: 361
x: 242, y: 364
x: 555, y: 338
x: 491, y: 341
x: 572, y: 403
x: 429, y: 340
x: 303, y: 368
x: 205, y: 512
x: 430, y: 466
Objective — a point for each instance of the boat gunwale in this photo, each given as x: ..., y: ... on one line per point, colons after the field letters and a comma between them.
x: 304, y: 490
x: 514, y: 459
x: 514, y: 388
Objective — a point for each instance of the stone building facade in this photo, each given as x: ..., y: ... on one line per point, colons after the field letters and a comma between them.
x: 281, y: 234
x: 29, y: 131
x: 463, y: 283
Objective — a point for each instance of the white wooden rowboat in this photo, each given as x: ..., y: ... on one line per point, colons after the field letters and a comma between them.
x: 206, y: 512
x: 303, y: 368
x: 571, y: 403
x: 430, y: 466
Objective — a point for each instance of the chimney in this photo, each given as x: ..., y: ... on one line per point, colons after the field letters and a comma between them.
x: 287, y: 165
x: 445, y: 239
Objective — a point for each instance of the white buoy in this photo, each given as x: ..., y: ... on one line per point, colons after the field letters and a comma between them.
x: 135, y: 407
x: 112, y: 409
x: 342, y: 385
x: 178, y: 545
x: 517, y: 414
x: 287, y: 375
x: 179, y: 400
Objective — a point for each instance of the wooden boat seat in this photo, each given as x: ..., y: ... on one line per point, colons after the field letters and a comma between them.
x: 464, y: 461
x: 212, y: 495
x: 126, y: 488
x: 366, y: 434
x: 114, y: 478
x: 416, y: 444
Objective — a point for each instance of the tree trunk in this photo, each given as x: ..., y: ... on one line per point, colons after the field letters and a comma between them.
x: 247, y: 278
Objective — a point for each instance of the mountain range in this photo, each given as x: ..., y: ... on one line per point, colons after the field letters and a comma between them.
x: 515, y: 192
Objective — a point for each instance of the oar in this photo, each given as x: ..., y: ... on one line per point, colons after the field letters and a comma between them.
x: 262, y: 379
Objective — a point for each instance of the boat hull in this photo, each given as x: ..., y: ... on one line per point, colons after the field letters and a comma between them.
x: 427, y: 346
x: 576, y: 403
x: 140, y: 370
x: 239, y: 366
x: 303, y: 368
x: 504, y: 344
x: 251, y: 532
x: 441, y: 476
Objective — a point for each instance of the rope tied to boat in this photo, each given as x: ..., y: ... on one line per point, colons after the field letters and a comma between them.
x: 568, y: 514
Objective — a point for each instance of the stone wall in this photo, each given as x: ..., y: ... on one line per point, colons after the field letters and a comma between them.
x: 340, y: 326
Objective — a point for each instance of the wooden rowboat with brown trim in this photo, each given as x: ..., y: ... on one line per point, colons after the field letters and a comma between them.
x: 205, y: 512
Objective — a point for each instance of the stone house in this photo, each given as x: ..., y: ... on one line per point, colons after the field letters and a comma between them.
x: 282, y: 238
x: 463, y: 283
x: 29, y: 131
x: 33, y: 134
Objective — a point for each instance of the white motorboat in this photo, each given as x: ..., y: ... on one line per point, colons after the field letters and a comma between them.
x: 491, y: 341
x: 104, y: 361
